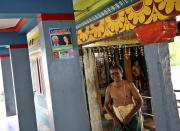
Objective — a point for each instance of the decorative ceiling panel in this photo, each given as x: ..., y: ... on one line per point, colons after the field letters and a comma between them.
x: 141, y: 13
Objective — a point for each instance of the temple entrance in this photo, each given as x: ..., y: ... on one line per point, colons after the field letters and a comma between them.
x: 96, y: 61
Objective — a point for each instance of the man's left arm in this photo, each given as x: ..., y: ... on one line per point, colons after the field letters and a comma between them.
x: 138, y: 103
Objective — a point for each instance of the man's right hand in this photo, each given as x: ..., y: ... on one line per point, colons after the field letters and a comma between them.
x: 117, y: 123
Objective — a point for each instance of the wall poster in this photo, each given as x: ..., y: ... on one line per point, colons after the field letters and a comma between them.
x: 61, y: 43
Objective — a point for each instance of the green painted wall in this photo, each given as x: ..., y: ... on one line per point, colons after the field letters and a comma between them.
x: 92, y: 4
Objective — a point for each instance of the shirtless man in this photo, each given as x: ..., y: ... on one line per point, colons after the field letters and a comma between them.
x: 126, y: 102
x: 138, y: 75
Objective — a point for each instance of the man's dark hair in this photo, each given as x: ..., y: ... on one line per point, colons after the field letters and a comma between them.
x: 117, y: 67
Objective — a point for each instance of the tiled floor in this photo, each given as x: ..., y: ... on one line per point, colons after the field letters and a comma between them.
x: 42, y: 127
x: 11, y: 123
x: 7, y: 123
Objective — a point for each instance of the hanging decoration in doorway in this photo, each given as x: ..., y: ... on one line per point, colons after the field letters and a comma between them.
x: 141, y: 13
x: 105, y: 54
x: 126, y: 52
x: 113, y: 55
x: 129, y: 52
x: 120, y: 56
x: 61, y: 43
x: 136, y: 52
x: 109, y: 55
x: 142, y: 51
x: 101, y: 53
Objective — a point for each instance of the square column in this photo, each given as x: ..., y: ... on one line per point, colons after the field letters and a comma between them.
x: 65, y: 93
x: 23, y: 87
x: 163, y: 98
x: 8, y: 85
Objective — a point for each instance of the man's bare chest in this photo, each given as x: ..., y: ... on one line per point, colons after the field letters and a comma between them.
x: 118, y: 92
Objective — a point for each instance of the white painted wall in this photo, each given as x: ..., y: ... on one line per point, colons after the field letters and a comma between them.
x: 175, y: 74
